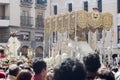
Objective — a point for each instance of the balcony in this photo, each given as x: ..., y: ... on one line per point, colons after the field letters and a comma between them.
x: 26, y: 3
x: 39, y: 23
x: 41, y: 4
x: 26, y: 21
x: 4, y: 21
x: 4, y: 1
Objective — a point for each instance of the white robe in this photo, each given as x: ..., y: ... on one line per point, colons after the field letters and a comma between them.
x: 13, y: 45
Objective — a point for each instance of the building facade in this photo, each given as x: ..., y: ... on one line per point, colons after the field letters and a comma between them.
x: 107, y: 41
x: 26, y: 18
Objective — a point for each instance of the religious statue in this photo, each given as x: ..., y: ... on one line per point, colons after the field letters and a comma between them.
x: 13, y: 45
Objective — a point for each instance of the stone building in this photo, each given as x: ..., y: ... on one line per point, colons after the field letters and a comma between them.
x: 26, y: 18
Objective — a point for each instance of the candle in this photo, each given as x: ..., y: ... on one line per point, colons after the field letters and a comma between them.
x: 20, y: 53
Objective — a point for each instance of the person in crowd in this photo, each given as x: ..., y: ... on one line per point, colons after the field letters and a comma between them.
x: 119, y: 65
x: 107, y: 65
x: 13, y: 61
x: 24, y: 75
x: 19, y: 62
x: 39, y: 67
x: 2, y: 74
x: 13, y: 71
x: 70, y: 69
x: 92, y: 64
x: 28, y: 68
x: 117, y: 75
x: 106, y: 75
x: 114, y: 69
x: 49, y: 76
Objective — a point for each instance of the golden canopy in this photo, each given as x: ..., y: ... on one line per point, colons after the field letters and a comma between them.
x: 53, y: 23
x: 78, y: 20
x: 82, y: 19
x: 107, y: 21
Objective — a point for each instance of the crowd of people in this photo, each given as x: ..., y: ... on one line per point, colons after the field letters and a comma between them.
x: 70, y: 69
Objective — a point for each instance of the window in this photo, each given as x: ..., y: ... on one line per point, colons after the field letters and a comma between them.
x: 55, y: 9
x: 86, y: 5
x: 70, y: 7
x: 118, y: 6
x: 118, y: 34
x: 25, y: 13
x: 26, y: 19
x: 40, y: 21
x: 24, y: 36
x: 41, y: 1
x: 100, y: 5
x: 39, y: 37
x: 26, y: 0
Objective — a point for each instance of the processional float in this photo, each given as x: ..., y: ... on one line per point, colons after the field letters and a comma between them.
x: 75, y: 25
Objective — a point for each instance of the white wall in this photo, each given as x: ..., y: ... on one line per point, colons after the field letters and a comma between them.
x: 33, y: 13
x: 5, y: 1
x: 14, y: 12
x: 4, y: 23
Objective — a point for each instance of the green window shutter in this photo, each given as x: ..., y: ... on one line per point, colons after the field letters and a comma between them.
x: 43, y: 1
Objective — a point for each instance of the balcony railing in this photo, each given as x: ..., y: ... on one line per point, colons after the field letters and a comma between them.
x: 26, y: 3
x: 26, y: 21
x: 39, y: 23
x: 41, y: 4
x: 4, y: 17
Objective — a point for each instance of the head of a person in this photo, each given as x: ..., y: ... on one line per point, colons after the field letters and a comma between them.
x: 115, y: 69
x: 39, y: 67
x: 19, y: 62
x: 2, y: 74
x: 107, y: 75
x: 70, y: 69
x: 92, y: 62
x: 49, y: 76
x: 13, y: 69
x: 24, y: 75
x: 28, y: 68
x: 13, y: 61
